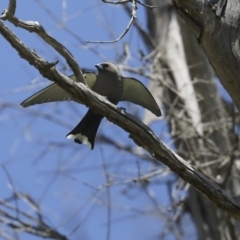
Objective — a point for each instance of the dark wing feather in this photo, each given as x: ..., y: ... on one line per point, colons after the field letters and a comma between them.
x: 54, y: 93
x: 134, y: 91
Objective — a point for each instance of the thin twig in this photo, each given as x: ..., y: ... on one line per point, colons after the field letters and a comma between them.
x: 133, y: 17
x: 13, y: 189
x: 145, y: 5
x: 109, y: 212
x: 235, y: 147
x: 115, y: 3
x: 125, y: 1
x: 120, y: 37
x: 40, y: 31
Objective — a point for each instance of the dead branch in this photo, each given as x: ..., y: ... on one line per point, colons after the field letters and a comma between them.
x: 8, y: 14
x: 218, y: 33
x: 140, y: 133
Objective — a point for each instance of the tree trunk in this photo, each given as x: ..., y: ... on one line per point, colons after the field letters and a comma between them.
x: 200, y: 125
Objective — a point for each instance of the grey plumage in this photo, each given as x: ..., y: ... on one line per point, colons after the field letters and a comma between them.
x: 108, y: 82
x: 54, y: 93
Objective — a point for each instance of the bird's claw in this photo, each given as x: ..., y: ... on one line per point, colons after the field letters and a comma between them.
x: 123, y: 110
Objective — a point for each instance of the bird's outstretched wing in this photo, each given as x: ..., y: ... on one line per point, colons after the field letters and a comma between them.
x: 134, y: 91
x: 54, y: 93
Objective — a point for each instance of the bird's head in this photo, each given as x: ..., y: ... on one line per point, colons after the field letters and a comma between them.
x: 107, y: 67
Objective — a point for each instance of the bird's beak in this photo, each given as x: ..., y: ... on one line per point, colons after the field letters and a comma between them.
x: 99, y: 66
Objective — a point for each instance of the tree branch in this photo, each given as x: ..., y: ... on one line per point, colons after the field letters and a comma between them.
x: 219, y: 38
x: 120, y: 37
x: 141, y: 134
x: 125, y: 1
x: 40, y: 31
x: 133, y: 17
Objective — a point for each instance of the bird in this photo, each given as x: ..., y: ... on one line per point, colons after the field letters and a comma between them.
x: 109, y: 83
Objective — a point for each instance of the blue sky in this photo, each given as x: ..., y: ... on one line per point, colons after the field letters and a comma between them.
x: 62, y: 176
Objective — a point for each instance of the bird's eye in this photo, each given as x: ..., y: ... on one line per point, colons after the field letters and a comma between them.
x: 105, y: 65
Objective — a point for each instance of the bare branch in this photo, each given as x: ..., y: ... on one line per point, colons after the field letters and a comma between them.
x: 125, y: 1
x: 133, y: 14
x: 208, y: 30
x: 145, y: 5
x: 40, y: 31
x: 118, y: 2
x: 133, y: 17
x: 11, y: 9
x: 32, y: 225
x: 141, y: 134
x: 120, y: 37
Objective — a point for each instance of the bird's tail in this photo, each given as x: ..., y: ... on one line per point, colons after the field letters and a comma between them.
x: 86, y: 130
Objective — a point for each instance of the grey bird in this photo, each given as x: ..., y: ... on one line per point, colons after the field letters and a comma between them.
x: 109, y: 83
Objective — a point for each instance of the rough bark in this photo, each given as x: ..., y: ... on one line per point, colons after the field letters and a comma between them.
x: 203, y: 131
x: 219, y: 38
